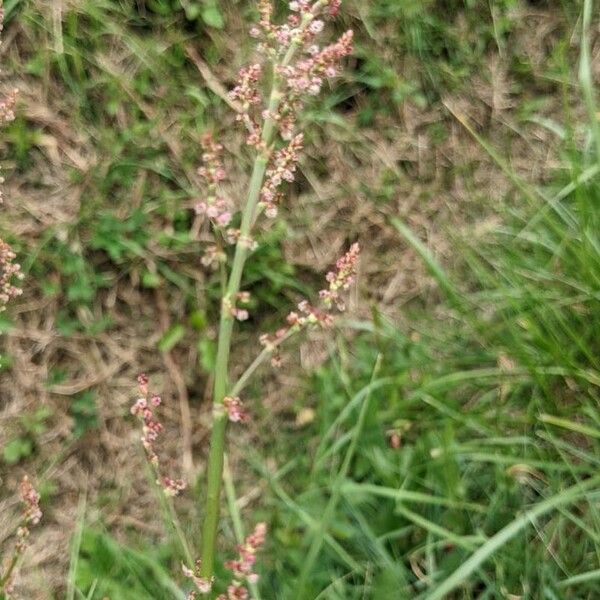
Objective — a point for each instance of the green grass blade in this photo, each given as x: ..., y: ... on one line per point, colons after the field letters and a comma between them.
x: 319, y: 534
x: 432, y: 264
x: 435, y: 529
x: 570, y: 425
x: 506, y: 534
x: 581, y: 578
x: 586, y: 77
x: 350, y: 488
x: 75, y: 548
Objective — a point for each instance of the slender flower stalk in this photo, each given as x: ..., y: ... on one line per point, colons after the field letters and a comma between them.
x: 145, y: 409
x: 299, y: 67
x: 10, y: 271
x: 31, y: 515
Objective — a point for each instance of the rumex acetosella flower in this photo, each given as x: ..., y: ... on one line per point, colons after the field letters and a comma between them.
x: 293, y: 62
x: 235, y: 409
x: 10, y: 272
x: 30, y: 515
x: 31, y: 502
x: 145, y: 409
x: 203, y: 585
x: 303, y: 67
x: 340, y: 279
x: 7, y: 107
x: 243, y: 566
x: 214, y: 206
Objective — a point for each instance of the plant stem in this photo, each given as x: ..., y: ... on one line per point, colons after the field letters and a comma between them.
x: 250, y: 370
x: 217, y: 440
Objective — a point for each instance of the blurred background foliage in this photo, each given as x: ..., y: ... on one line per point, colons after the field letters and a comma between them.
x: 438, y: 414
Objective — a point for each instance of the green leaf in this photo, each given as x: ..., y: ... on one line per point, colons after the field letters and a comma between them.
x: 198, y: 320
x: 84, y: 412
x: 150, y: 279
x: 171, y: 338
x: 212, y: 17
x: 208, y: 352
x: 16, y: 450
x: 192, y: 11
x: 6, y: 324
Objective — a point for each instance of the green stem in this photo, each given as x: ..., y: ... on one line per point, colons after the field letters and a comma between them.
x: 217, y: 440
x: 250, y: 370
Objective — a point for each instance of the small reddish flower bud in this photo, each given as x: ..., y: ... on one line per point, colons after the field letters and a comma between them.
x: 235, y: 410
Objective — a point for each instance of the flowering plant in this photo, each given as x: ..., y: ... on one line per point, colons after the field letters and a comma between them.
x: 297, y: 67
x: 31, y: 515
x: 294, y: 67
x: 9, y: 270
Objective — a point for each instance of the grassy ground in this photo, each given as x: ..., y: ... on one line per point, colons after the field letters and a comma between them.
x: 449, y: 431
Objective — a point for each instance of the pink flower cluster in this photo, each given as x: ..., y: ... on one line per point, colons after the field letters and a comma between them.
x: 31, y: 502
x: 300, y: 27
x: 7, y: 107
x: 339, y: 280
x: 9, y: 270
x: 215, y: 207
x: 143, y: 408
x: 301, y: 68
x: 282, y: 168
x: 243, y: 566
x: 235, y: 409
x: 241, y: 314
x: 203, y: 585
x: 31, y: 515
x: 247, y: 93
x: 309, y: 73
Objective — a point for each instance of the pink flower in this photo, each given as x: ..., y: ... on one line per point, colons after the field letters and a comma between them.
x: 241, y: 314
x: 309, y: 315
x: 31, y: 502
x: 7, y: 106
x: 151, y: 429
x: 341, y: 278
x: 243, y: 566
x: 9, y: 271
x: 282, y: 168
x: 203, y: 585
x: 173, y: 487
x: 235, y: 410
x: 246, y: 91
x: 316, y: 26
